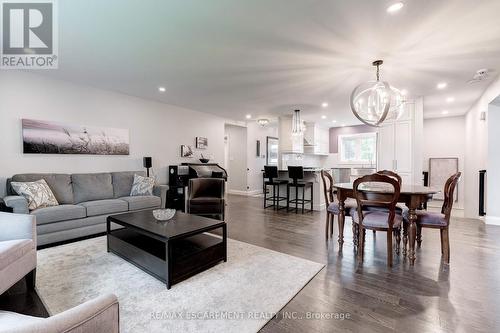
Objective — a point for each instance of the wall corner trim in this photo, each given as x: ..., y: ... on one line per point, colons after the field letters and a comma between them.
x: 492, y: 220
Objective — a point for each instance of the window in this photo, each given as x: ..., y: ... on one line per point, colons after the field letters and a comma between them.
x: 358, y: 148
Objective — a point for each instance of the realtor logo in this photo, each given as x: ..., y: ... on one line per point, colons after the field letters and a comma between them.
x: 29, y: 34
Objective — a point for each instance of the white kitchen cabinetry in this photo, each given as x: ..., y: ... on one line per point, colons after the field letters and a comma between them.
x: 316, y: 139
x: 395, y: 145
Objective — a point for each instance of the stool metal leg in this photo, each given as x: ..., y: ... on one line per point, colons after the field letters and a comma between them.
x: 312, y: 197
x: 287, y: 197
x: 303, y: 198
x: 278, y: 199
x: 296, y: 199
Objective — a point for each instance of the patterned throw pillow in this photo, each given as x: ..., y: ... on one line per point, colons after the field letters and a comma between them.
x: 37, y: 193
x: 142, y: 186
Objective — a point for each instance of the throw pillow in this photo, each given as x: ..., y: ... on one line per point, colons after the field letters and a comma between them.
x: 38, y: 193
x: 142, y: 186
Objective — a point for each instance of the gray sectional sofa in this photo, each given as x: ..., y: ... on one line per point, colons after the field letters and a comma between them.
x: 85, y: 201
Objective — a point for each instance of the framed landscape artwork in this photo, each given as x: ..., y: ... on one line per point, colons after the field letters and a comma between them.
x: 49, y: 137
x: 201, y: 143
x: 187, y: 151
x: 440, y: 169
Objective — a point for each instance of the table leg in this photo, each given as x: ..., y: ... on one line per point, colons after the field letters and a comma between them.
x: 108, y: 231
x: 341, y: 221
x: 412, y: 234
x: 168, y: 280
x: 224, y: 240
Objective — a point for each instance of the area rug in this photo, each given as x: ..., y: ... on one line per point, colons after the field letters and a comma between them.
x: 241, y: 295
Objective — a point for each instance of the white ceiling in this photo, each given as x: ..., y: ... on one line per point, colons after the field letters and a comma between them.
x: 268, y: 57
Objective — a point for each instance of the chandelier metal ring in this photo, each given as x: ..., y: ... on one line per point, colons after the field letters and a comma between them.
x: 373, y: 102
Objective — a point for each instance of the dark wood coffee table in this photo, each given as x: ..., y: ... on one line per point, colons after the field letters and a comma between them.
x: 171, y: 251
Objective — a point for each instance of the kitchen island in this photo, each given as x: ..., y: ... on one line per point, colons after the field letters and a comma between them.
x: 310, y: 175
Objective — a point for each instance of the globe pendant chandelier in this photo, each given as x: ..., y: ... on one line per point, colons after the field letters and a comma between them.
x: 373, y: 102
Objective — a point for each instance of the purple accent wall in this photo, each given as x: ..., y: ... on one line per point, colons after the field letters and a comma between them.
x: 336, y: 131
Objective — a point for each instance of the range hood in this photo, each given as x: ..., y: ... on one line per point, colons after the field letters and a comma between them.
x: 308, y: 144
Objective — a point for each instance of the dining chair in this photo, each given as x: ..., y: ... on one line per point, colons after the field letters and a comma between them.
x: 399, y: 210
x: 380, y: 220
x: 332, y: 205
x: 435, y: 220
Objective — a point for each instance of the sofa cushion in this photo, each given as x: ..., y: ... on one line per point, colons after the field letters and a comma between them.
x: 13, y: 250
x: 101, y: 207
x: 122, y: 182
x: 59, y: 213
x: 92, y: 186
x: 38, y: 193
x: 142, y: 202
x: 142, y: 186
x: 60, y: 184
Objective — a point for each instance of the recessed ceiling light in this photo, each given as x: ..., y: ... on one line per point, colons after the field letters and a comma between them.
x: 395, y: 7
x: 248, y: 116
x: 162, y: 89
x: 404, y: 92
x: 441, y: 85
x: 323, y: 117
x: 324, y: 104
x: 444, y: 112
x: 450, y: 99
x: 334, y: 121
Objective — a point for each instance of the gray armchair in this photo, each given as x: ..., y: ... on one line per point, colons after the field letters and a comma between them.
x: 17, y: 249
x: 100, y: 315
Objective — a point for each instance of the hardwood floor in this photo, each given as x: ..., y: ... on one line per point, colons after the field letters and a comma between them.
x: 429, y: 297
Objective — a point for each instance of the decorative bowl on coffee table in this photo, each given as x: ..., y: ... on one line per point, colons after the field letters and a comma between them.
x: 163, y: 214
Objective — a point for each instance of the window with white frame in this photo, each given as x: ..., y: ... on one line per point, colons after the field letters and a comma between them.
x: 358, y: 148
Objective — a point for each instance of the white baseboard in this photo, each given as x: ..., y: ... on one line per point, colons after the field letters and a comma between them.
x: 493, y: 220
x: 246, y: 193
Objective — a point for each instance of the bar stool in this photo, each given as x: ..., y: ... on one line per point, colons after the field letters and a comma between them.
x: 271, y: 172
x: 296, y: 173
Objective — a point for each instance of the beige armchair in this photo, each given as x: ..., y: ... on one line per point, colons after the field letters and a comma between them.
x: 17, y: 250
x: 100, y: 315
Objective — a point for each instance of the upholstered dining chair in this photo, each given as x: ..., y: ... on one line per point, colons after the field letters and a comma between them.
x: 384, y: 219
x: 435, y: 220
x: 399, y: 210
x: 332, y: 205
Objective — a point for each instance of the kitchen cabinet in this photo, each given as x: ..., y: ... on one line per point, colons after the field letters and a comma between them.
x: 395, y: 145
x: 316, y: 139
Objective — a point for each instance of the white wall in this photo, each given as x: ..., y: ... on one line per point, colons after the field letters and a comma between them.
x: 476, y: 147
x: 444, y: 137
x: 493, y: 166
x: 156, y: 129
x: 256, y: 164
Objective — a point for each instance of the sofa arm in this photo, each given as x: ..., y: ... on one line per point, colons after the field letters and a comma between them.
x: 161, y: 191
x: 18, y: 204
x: 17, y: 226
x: 100, y: 315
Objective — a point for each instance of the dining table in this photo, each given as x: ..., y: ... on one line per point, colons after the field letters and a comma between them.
x: 412, y: 195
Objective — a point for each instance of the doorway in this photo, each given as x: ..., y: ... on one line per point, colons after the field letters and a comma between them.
x: 235, y: 158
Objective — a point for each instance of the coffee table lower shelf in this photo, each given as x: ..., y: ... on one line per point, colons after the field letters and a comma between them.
x: 171, y: 261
